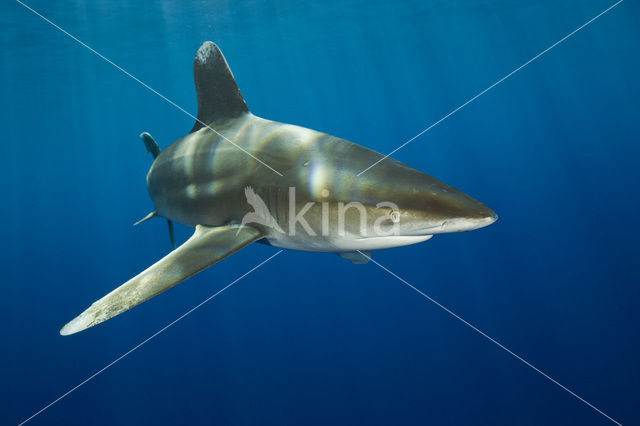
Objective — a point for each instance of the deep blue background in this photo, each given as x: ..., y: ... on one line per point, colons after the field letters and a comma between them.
x: 310, y: 338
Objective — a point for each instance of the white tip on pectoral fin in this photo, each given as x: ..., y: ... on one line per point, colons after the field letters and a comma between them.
x: 79, y: 323
x: 205, y: 247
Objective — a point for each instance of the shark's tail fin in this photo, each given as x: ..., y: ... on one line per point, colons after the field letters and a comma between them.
x: 150, y: 144
x: 218, y: 94
x: 153, y: 147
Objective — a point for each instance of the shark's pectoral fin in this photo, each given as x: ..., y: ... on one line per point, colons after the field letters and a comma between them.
x: 205, y: 247
x: 359, y: 258
x: 146, y: 218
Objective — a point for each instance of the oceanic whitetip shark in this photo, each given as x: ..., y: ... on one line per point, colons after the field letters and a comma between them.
x: 238, y: 178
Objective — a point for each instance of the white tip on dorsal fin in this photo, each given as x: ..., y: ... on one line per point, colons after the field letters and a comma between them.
x: 218, y: 94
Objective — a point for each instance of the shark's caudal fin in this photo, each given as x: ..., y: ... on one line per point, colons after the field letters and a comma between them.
x: 218, y: 94
x: 150, y: 144
x: 153, y: 147
x: 205, y: 247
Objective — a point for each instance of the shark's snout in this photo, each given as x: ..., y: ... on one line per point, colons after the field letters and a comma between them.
x: 438, y: 208
x: 467, y: 214
x: 467, y: 224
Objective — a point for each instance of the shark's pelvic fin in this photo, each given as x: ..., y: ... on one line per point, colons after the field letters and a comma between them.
x: 153, y: 214
x: 218, y: 94
x: 151, y: 145
x: 171, y: 234
x: 356, y: 257
x: 205, y: 247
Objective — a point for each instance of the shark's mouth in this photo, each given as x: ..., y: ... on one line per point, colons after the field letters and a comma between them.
x: 462, y: 225
x: 389, y: 241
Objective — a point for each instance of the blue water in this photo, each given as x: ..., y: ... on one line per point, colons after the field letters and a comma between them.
x: 310, y: 339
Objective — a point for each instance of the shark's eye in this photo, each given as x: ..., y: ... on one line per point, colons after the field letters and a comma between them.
x: 395, y: 216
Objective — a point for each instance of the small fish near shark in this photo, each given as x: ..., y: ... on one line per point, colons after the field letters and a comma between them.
x: 238, y: 179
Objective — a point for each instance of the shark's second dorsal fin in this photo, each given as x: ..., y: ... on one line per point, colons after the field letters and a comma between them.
x: 218, y: 94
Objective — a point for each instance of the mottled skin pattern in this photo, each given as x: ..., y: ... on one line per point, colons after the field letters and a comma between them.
x: 200, y: 180
x: 208, y: 179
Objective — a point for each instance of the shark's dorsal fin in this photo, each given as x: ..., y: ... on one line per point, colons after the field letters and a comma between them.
x: 218, y: 94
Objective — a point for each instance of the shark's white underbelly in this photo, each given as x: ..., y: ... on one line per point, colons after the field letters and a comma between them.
x: 343, y: 244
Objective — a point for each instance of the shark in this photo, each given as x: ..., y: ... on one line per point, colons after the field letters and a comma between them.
x: 238, y: 179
